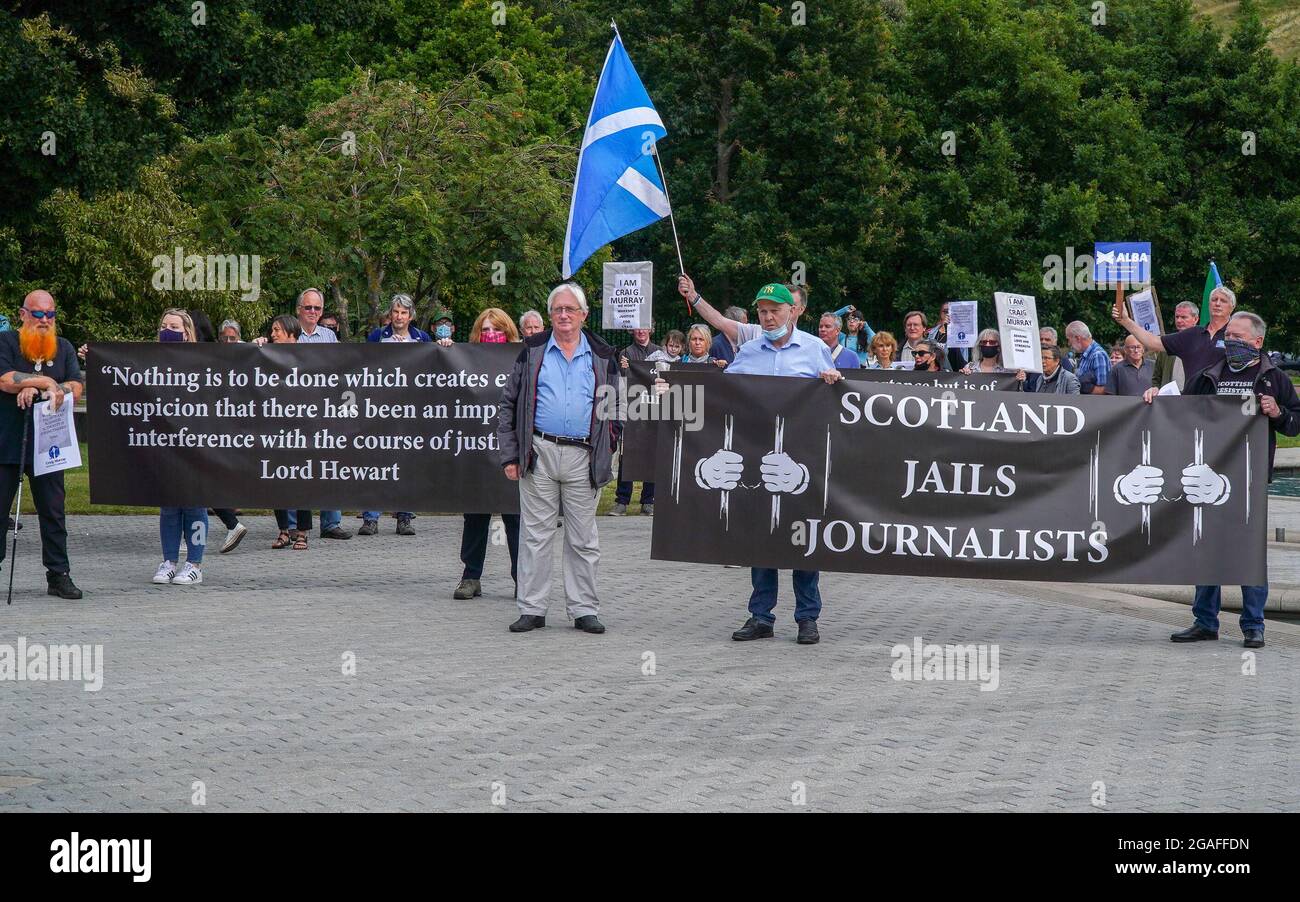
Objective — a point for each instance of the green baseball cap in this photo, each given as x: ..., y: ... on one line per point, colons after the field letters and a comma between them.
x: 442, y: 313
x: 775, y: 292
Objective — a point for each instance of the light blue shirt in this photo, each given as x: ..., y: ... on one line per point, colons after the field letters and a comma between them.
x: 322, y: 336
x: 566, y: 389
x: 803, y: 355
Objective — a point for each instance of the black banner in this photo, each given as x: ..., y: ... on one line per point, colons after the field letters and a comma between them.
x: 643, y: 413
x: 972, y: 382
x: 375, y: 426
x: 913, y: 480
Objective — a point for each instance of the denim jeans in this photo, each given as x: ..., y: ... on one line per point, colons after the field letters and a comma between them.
x: 190, y: 522
x: 375, y: 515
x: 807, y: 599
x: 329, y: 519
x: 1206, y: 607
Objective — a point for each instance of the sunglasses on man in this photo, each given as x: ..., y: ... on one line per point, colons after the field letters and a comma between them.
x: 40, y: 314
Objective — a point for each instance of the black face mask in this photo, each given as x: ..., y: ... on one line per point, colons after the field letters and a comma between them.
x: 921, y: 364
x: 989, y: 352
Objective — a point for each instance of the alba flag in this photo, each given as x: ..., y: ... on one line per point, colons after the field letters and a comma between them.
x: 617, y: 189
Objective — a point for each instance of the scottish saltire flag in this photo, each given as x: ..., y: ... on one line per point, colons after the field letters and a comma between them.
x: 1212, y: 281
x: 617, y: 189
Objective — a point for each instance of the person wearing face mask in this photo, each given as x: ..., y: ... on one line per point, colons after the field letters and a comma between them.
x: 401, y: 310
x: 443, y: 327
x: 36, y: 360
x: 926, y: 356
x: 492, y: 326
x: 783, y: 350
x: 1245, y: 372
x: 175, y: 522
x: 989, y: 346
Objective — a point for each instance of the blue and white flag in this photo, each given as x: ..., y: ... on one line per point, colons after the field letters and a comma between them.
x: 617, y: 189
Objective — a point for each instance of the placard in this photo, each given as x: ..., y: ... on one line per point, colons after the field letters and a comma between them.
x: 963, y: 324
x: 1128, y: 262
x: 54, y: 434
x: 1018, y: 325
x: 627, y: 291
x: 1145, y: 310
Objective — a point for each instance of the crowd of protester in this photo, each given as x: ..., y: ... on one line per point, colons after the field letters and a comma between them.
x: 1225, y: 356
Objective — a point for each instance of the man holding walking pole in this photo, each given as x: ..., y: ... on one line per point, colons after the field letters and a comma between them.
x: 35, y: 361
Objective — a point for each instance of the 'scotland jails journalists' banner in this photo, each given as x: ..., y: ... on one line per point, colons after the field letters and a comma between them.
x: 913, y: 480
x: 373, y: 426
x: 645, y: 412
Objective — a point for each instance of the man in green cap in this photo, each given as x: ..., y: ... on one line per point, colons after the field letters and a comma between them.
x: 781, y: 350
x: 442, y: 326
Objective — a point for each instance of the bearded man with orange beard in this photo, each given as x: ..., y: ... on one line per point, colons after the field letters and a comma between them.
x: 34, y: 360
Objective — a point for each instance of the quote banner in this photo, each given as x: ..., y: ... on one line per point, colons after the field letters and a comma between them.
x: 913, y: 480
x: 368, y: 426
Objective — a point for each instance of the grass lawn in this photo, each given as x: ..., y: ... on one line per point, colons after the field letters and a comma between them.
x: 77, y: 484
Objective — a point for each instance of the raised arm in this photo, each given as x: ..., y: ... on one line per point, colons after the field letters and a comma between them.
x: 686, y: 287
x: 1150, y: 340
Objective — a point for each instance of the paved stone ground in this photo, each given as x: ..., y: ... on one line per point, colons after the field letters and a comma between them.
x: 239, y: 684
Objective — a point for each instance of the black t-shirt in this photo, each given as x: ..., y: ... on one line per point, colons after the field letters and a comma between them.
x: 1196, y: 347
x: 1238, y: 384
x: 62, y: 368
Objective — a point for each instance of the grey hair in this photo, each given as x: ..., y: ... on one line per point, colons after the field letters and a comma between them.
x: 1051, y: 351
x: 839, y: 321
x: 1257, y: 324
x: 532, y: 314
x: 1227, y: 292
x: 738, y: 314
x: 231, y: 324
x: 1050, y: 331
x: 306, y: 291
x: 989, y: 333
x: 402, y: 300
x: 1188, y: 305
x: 1078, y: 329
x: 574, y: 289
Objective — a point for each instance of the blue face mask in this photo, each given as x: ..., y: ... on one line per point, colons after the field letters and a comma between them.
x: 170, y: 335
x: 776, y: 334
x: 443, y: 331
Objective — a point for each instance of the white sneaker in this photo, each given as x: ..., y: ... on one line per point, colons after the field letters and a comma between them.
x: 166, y: 570
x: 234, y: 537
x: 190, y: 575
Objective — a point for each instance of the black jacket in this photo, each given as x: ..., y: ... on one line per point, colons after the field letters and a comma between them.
x: 1270, y: 381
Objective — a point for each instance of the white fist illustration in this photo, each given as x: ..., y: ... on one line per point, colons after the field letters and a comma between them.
x: 781, y: 474
x: 1141, y: 485
x: 1202, y: 485
x: 720, y: 471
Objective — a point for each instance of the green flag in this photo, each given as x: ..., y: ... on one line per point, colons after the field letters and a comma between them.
x: 1212, y: 281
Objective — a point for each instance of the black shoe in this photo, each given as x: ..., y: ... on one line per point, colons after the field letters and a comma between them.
x: 335, y: 532
x: 1194, y: 633
x: 61, y: 584
x: 368, y: 528
x: 808, y: 633
x: 1252, y: 639
x: 527, y: 622
x: 404, y: 526
x: 753, y: 629
x: 589, y: 624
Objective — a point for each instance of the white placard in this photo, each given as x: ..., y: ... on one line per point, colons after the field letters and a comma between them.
x: 54, y: 438
x: 1143, y: 305
x: 627, y: 292
x: 963, y: 324
x: 1018, y: 326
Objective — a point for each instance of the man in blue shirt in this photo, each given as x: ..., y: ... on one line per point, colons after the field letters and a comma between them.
x: 782, y: 350
x: 1093, y: 368
x: 558, y: 442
